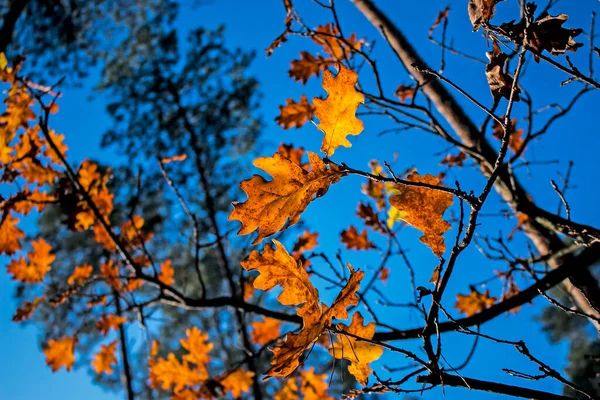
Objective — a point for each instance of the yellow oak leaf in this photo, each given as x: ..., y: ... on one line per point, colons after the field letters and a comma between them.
x: 105, y: 358
x: 80, y: 275
x: 353, y: 240
x: 237, y: 382
x: 474, y: 302
x: 10, y: 235
x: 166, y: 273
x: 271, y: 203
x: 265, y: 331
x: 337, y: 113
x: 295, y: 114
x: 61, y: 353
x: 39, y: 263
x: 359, y: 353
x: 108, y: 322
x: 423, y: 208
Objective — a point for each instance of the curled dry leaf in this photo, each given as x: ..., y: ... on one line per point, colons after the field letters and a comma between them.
x: 474, y: 302
x: 271, y: 203
x: 499, y: 81
x: 295, y: 114
x: 423, y: 208
x: 355, y: 241
x: 405, y: 92
x: 442, y: 16
x: 337, y: 113
x: 360, y: 353
x: 481, y: 11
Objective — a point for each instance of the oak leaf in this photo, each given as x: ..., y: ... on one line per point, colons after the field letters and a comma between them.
x: 481, y: 11
x: 295, y: 114
x: 337, y: 113
x: 370, y: 217
x: 305, y: 242
x: 108, y: 322
x: 265, y: 331
x: 360, y: 353
x: 166, y: 273
x: 198, y: 346
x: 314, y: 386
x: 105, y: 359
x: 237, y: 382
x: 295, y: 154
x: 10, y: 235
x: 80, y: 275
x: 474, y: 302
x: 167, y: 160
x: 452, y: 160
x: 307, y: 66
x: 39, y: 263
x: 170, y: 374
x: 110, y: 272
x: 384, y: 275
x: 499, y: 81
x: 23, y: 313
x: 61, y: 353
x: 338, y: 48
x: 405, y: 92
x: 271, y: 203
x: 423, y: 208
x: 442, y: 16
x: 515, y: 138
x: 353, y: 240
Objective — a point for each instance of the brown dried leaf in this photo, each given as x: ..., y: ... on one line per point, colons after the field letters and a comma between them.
x: 353, y: 240
x: 307, y: 66
x: 474, y: 302
x: 499, y: 81
x: 295, y: 114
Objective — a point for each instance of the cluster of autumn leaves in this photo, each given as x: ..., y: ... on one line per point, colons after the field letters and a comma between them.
x: 36, y: 170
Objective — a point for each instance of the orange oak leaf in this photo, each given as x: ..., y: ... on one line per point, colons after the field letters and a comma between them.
x: 248, y: 289
x: 108, y: 322
x: 307, y: 66
x: 289, y: 391
x: 295, y: 154
x: 110, y: 272
x: 39, y: 263
x: 29, y: 200
x: 353, y: 240
x: 10, y: 235
x: 295, y: 114
x: 23, y: 313
x: 314, y: 386
x: 61, y: 353
x: 360, y: 353
x: 423, y: 208
x: 58, y: 140
x: 265, y: 331
x: 405, y: 92
x: 454, y: 160
x: 277, y: 267
x: 271, y: 203
x: 327, y: 36
x: 198, y: 346
x: 515, y: 139
x: 474, y: 302
x: 170, y: 373
x: 384, y: 275
x: 166, y: 273
x: 337, y: 113
x: 80, y: 275
x: 105, y: 359
x: 306, y: 242
x: 237, y: 382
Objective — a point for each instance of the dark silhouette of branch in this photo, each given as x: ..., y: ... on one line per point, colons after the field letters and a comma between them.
x: 10, y: 21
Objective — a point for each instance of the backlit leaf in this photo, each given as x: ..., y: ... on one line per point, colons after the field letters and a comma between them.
x: 61, y: 353
x: 423, y: 208
x: 80, y: 275
x: 105, y: 359
x: 474, y: 302
x: 166, y: 273
x: 271, y: 203
x: 37, y: 267
x: 295, y: 114
x: 355, y: 241
x: 265, y: 331
x: 108, y: 322
x: 337, y: 113
x: 10, y: 235
x: 359, y: 353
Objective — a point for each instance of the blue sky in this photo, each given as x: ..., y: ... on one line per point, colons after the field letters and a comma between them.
x: 253, y: 25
